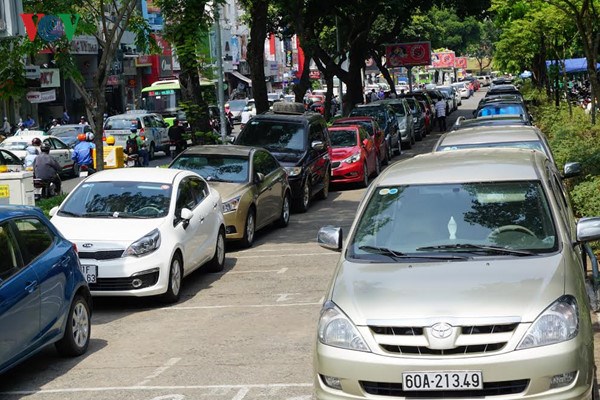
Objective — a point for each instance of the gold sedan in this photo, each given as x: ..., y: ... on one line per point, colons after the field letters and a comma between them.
x: 252, y: 184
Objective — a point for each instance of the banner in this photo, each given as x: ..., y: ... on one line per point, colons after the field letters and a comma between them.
x: 408, y: 54
x: 443, y: 60
x: 50, y: 77
x: 460, y: 62
x: 41, y: 97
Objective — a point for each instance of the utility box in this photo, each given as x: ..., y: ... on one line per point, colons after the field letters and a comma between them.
x: 113, y: 157
x: 17, y: 188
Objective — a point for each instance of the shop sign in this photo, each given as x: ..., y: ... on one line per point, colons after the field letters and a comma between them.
x: 166, y: 66
x: 143, y: 61
x: 50, y: 28
x: 314, y: 75
x: 408, y: 54
x: 41, y: 97
x: 32, y: 72
x: 460, y: 62
x: 84, y: 45
x: 112, y: 80
x: 444, y: 59
x: 50, y: 78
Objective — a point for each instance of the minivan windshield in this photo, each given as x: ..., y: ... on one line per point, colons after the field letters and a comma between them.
x: 478, y: 219
x: 275, y: 136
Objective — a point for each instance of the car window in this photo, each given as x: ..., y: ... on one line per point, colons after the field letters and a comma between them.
x: 158, y: 122
x: 121, y: 123
x: 198, y: 189
x: 118, y: 199
x: 186, y: 196
x: 363, y: 134
x: 9, y: 159
x: 214, y: 167
x: 398, y: 109
x: 9, y: 256
x: 501, y: 109
x: 49, y: 143
x: 315, y: 133
x: 275, y: 136
x: 264, y: 163
x: 513, y: 215
x: 148, y: 121
x: 533, y: 145
x: 58, y: 144
x: 34, y: 238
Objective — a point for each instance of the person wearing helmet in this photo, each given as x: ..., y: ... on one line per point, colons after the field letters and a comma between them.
x: 83, y: 121
x: 82, y: 152
x: 135, y: 145
x: 176, y: 132
x: 46, y: 168
x: 110, y: 141
x: 32, y: 152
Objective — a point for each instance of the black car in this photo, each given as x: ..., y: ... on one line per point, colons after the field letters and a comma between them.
x: 300, y: 142
x: 386, y: 118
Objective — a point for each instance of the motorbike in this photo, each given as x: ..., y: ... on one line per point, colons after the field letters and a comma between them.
x: 43, y: 189
x: 133, y: 160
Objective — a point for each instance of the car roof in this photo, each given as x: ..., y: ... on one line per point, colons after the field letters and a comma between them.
x: 461, y: 166
x: 150, y: 175
x: 31, y: 133
x: 495, y: 134
x: 344, y: 127
x: 221, y: 149
x: 350, y: 120
x: 12, y: 211
x: 130, y: 115
x: 30, y: 137
x: 298, y: 118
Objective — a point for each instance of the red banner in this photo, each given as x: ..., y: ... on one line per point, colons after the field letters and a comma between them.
x: 460, y: 62
x: 408, y: 54
x: 443, y: 60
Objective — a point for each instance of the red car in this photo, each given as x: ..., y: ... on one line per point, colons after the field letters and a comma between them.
x: 353, y: 155
x: 374, y: 130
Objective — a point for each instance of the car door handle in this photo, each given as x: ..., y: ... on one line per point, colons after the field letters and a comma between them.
x: 215, y: 206
x: 201, y: 220
x: 31, y: 286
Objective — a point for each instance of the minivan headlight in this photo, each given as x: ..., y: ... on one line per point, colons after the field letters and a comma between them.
x: 558, y: 323
x: 336, y: 329
x: 293, y: 171
x: 144, y: 245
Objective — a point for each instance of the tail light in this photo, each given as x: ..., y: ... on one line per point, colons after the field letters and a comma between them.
x: 143, y: 137
x: 75, y: 248
x: 141, y: 131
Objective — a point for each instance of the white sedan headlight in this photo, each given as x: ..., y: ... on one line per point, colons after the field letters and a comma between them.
x: 335, y: 329
x: 352, y: 159
x: 293, y: 171
x: 231, y: 205
x: 558, y: 323
x: 145, y: 245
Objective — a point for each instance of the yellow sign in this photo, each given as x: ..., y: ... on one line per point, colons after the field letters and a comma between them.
x: 4, y: 191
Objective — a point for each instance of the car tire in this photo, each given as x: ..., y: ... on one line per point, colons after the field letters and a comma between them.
x: 284, y: 217
x: 249, y: 228
x: 217, y: 263
x: 324, y: 193
x: 303, y: 203
x: 386, y: 157
x: 75, y: 171
x: 365, y: 181
x: 390, y: 151
x: 377, y: 166
x: 175, y: 279
x: 419, y: 138
x: 76, y: 338
x: 413, y: 138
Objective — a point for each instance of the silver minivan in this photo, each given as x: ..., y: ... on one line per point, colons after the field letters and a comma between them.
x: 462, y: 276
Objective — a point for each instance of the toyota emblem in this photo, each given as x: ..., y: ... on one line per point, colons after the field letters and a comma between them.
x: 441, y: 330
x: 87, y: 245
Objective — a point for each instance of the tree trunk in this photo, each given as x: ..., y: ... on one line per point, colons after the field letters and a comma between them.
x: 354, y: 82
x: 386, y: 72
x: 256, y: 53
x: 304, y: 84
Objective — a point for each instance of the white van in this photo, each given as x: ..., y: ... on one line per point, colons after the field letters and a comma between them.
x: 150, y: 127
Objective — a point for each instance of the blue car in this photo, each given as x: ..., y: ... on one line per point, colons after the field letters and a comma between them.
x: 44, y: 297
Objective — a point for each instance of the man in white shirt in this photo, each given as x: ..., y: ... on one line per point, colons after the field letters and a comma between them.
x: 245, y: 117
x: 440, y: 110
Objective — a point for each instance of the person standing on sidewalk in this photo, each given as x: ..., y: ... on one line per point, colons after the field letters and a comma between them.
x: 440, y: 111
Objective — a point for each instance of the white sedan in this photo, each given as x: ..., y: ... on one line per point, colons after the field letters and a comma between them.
x: 58, y: 149
x: 140, y: 231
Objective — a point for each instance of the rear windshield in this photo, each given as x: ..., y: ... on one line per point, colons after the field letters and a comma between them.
x: 532, y: 145
x: 377, y: 113
x: 501, y: 109
x: 365, y: 124
x: 398, y: 109
x: 275, y: 136
x: 120, y: 123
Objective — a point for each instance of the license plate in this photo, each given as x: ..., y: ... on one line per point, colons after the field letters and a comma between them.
x: 90, y: 272
x: 172, y: 148
x: 130, y: 163
x: 442, y: 380
x: 37, y: 190
x: 83, y: 174
x: 189, y: 141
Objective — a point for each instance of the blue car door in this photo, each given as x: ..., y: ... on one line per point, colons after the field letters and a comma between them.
x: 19, y: 301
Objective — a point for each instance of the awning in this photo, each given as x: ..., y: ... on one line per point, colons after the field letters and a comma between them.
x: 242, y: 77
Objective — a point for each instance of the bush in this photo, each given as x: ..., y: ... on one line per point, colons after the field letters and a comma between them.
x: 586, y: 197
x: 47, y: 204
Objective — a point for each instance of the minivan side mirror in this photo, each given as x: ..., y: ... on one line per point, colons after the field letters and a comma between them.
x: 571, y: 169
x: 318, y: 145
x: 330, y: 237
x: 588, y: 229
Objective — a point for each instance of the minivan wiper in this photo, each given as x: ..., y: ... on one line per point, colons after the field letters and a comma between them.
x: 467, y: 247
x: 397, y: 254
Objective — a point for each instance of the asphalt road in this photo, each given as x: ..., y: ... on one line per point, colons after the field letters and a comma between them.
x: 244, y: 334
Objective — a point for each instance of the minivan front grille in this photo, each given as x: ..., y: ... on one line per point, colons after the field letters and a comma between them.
x: 470, y: 339
x: 489, y: 389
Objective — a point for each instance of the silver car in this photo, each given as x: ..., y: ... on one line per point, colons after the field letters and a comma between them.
x: 461, y: 277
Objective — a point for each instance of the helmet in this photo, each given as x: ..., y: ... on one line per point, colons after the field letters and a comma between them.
x: 45, y: 148
x: 81, y: 137
x: 110, y: 140
x: 36, y: 142
x: 89, y: 136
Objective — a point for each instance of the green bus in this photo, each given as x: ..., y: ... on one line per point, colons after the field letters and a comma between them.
x: 163, y: 97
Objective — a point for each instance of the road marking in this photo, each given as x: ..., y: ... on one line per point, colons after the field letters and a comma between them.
x: 289, y: 255
x: 141, y: 388
x: 285, y: 296
x: 178, y: 308
x: 159, y: 370
x: 241, y: 394
x: 259, y: 271
x: 282, y: 271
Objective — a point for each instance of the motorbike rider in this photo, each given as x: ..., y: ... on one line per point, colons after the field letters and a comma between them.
x: 46, y: 168
x: 176, y: 132
x: 33, y: 150
x: 246, y: 115
x: 82, y: 152
x: 135, y: 145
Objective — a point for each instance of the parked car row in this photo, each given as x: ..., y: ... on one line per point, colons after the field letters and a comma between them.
x: 463, y: 276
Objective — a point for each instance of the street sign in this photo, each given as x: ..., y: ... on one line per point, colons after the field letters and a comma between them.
x: 408, y: 54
